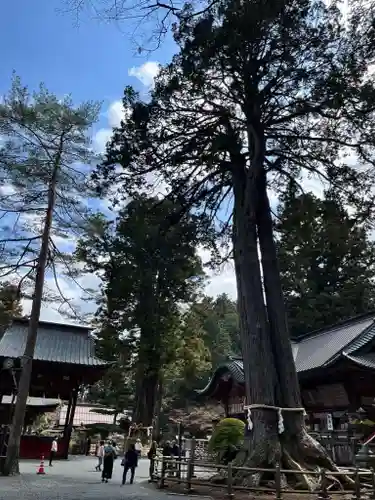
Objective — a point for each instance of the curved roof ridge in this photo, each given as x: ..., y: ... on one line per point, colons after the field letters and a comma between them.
x: 55, y: 324
x: 335, y: 326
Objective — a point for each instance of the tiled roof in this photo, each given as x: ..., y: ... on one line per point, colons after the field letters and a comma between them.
x: 317, y: 349
x: 366, y: 360
x: 234, y: 367
x: 6, y: 400
x: 56, y: 342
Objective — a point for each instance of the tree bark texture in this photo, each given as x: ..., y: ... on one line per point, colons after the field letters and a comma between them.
x: 147, y: 379
x: 11, y: 465
x: 259, y: 370
x: 270, y: 374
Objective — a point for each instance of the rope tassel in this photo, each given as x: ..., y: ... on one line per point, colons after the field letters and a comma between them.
x: 250, y: 424
x: 280, y: 423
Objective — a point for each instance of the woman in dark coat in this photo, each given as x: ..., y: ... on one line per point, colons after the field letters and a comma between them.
x: 151, y: 455
x: 130, y: 463
x: 109, y: 457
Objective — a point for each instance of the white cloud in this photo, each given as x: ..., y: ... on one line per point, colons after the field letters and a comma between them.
x: 115, y: 114
x: 101, y: 138
x: 222, y: 281
x: 145, y: 73
x: 7, y: 190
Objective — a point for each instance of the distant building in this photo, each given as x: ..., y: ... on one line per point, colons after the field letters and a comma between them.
x: 85, y: 414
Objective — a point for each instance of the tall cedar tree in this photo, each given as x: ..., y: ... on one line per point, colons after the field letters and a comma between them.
x: 44, y: 139
x: 327, y: 261
x: 260, y: 91
x: 149, y: 267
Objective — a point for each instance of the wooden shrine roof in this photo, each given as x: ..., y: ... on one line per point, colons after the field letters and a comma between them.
x: 56, y: 343
x: 316, y: 350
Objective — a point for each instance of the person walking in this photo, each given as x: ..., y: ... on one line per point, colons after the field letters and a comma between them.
x: 53, y: 451
x: 130, y: 463
x: 100, y: 455
x: 88, y: 447
x: 151, y: 455
x: 108, y: 460
x: 138, y: 447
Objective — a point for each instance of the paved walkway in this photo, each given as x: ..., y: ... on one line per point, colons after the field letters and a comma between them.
x: 76, y: 479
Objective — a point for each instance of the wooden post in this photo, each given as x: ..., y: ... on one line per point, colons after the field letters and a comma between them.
x: 323, y: 495
x: 179, y: 459
x: 357, y: 485
x: 189, y: 475
x: 152, y: 469
x: 278, y: 482
x: 162, y: 474
x: 230, y: 481
x: 68, y: 410
x: 192, y: 455
x: 71, y: 421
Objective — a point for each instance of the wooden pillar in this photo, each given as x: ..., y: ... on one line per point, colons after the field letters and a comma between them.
x: 67, y: 416
x: 68, y: 435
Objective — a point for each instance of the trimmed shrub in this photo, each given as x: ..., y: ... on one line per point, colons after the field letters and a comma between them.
x: 227, y: 437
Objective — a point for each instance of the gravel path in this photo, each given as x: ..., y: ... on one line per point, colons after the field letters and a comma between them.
x: 76, y: 479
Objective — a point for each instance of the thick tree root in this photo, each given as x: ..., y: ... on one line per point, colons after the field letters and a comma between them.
x: 301, y: 454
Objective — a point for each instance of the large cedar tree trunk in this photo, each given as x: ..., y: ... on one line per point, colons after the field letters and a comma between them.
x: 260, y: 375
x: 149, y: 351
x: 147, y: 380
x: 270, y: 374
x: 298, y: 448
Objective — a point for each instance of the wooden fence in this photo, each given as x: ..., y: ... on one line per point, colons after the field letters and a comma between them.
x: 185, y: 472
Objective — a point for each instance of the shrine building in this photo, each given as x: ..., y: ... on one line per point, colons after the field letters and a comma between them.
x: 336, y: 369
x: 64, y: 361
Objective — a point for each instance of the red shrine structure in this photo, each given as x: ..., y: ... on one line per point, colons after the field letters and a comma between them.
x: 336, y: 368
x: 64, y: 361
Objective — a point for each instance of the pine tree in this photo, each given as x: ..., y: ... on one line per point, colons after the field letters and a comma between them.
x: 44, y: 141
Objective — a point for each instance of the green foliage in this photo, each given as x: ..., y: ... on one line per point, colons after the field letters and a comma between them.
x: 149, y: 267
x: 10, y: 305
x: 114, y: 391
x: 327, y: 261
x: 189, y: 360
x: 233, y: 114
x: 219, y: 320
x: 208, y: 334
x: 46, y: 145
x: 274, y: 39
x: 228, y: 433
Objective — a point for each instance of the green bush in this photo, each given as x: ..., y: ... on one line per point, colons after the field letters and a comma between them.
x: 228, y: 434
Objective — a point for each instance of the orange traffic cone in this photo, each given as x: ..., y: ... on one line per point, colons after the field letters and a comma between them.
x: 41, y: 466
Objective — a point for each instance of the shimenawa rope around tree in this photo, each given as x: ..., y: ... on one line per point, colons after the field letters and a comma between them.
x: 280, y: 410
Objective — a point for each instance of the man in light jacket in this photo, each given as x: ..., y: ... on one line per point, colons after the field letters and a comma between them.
x: 53, y: 451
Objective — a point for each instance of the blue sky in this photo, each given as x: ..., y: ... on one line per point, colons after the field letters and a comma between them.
x: 90, y: 61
